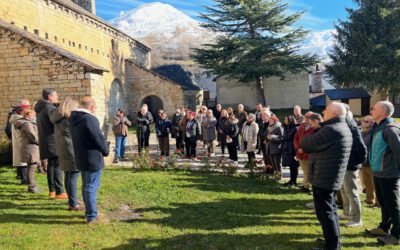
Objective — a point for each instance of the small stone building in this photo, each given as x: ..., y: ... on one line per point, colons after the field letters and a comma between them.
x: 277, y: 93
x: 358, y: 99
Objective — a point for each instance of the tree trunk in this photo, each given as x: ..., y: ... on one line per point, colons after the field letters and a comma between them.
x: 260, y: 87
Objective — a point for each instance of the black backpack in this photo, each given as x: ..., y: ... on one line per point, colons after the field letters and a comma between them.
x: 8, y: 129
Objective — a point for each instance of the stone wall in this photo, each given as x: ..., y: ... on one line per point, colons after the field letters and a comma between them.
x: 231, y: 93
x: 141, y: 83
x: 279, y: 94
x: 26, y: 68
x: 68, y: 26
x: 283, y: 94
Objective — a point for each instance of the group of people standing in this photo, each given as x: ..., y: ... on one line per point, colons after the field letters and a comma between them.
x: 60, y: 137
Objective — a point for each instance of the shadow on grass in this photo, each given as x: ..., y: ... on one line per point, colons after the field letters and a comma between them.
x: 230, y: 213
x: 222, y: 241
x: 42, y: 219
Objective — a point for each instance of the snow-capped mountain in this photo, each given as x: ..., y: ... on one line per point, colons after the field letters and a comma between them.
x: 171, y: 33
x: 320, y: 43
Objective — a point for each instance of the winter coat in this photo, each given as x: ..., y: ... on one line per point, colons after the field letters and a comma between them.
x: 47, y: 140
x: 64, y: 146
x: 299, y: 119
x: 329, y: 152
x: 175, y: 125
x: 223, y: 124
x: 163, y: 128
x: 29, y: 140
x: 385, y: 149
x: 242, y: 118
x: 288, y: 151
x: 90, y: 145
x: 120, y: 125
x: 263, y: 132
x: 193, y: 130
x: 366, y: 135
x: 16, y: 141
x: 249, y: 135
x: 182, y: 126
x: 274, y: 144
x: 217, y: 114
x: 300, y: 134
x: 208, y: 128
x: 233, y: 132
x: 143, y: 123
x: 358, y: 153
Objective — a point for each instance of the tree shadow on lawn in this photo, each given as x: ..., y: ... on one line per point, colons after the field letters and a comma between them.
x: 242, y: 184
x: 231, y: 213
x: 268, y: 241
x: 73, y: 219
x: 223, y: 241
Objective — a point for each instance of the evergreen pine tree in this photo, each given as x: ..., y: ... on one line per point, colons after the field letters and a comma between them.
x: 367, y: 49
x: 255, y: 40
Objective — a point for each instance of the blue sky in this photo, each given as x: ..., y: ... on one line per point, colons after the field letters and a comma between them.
x: 321, y: 14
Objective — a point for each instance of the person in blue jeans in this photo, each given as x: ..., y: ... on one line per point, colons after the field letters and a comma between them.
x: 90, y: 148
x: 120, y: 130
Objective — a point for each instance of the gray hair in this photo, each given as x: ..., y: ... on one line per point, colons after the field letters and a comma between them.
x: 387, y: 107
x: 339, y: 109
x: 252, y: 116
x: 349, y: 114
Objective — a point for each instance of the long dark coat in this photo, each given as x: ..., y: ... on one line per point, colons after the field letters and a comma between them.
x: 288, y: 151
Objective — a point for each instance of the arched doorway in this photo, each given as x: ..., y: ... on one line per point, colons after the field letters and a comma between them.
x: 116, y: 99
x: 154, y: 103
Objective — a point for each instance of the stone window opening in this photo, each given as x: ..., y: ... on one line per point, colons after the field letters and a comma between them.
x: 36, y: 32
x: 25, y: 28
x: 86, y: 48
x: 47, y: 35
x: 63, y: 40
x: 55, y: 38
x: 69, y: 43
x: 73, y: 44
x: 80, y: 46
x: 91, y: 49
x: 98, y: 52
x: 12, y: 22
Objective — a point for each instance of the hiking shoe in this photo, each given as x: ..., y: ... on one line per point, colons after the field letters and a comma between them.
x: 304, y: 189
x: 52, y: 195
x: 115, y: 161
x: 353, y: 224
x: 101, y: 219
x: 344, y: 217
x: 62, y: 196
x: 76, y: 208
x: 34, y: 190
x: 376, y: 232
x: 388, y: 240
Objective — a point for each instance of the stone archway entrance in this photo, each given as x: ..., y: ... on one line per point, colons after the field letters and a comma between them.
x: 116, y: 99
x: 154, y: 103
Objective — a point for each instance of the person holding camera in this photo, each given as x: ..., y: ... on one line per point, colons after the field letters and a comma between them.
x: 120, y: 130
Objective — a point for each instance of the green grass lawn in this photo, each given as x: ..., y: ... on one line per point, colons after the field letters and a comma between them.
x: 169, y: 210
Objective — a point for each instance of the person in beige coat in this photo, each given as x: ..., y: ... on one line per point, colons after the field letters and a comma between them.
x: 249, y: 134
x: 29, y: 146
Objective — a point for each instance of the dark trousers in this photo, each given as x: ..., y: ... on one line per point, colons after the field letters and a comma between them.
x: 179, y: 142
x: 251, y: 156
x: 31, y: 175
x: 22, y: 174
x: 143, y: 138
x: 294, y: 172
x: 233, y: 153
x: 163, y: 142
x: 326, y: 210
x: 276, y: 161
x: 263, y: 149
x: 71, y: 186
x: 223, y: 144
x: 54, y: 176
x: 190, y: 147
x: 388, y: 194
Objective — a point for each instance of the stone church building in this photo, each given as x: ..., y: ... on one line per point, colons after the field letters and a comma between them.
x: 62, y: 44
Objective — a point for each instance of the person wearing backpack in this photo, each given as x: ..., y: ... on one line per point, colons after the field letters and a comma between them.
x: 385, y: 163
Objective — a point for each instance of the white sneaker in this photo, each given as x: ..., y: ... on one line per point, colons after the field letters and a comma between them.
x: 353, y: 224
x: 344, y: 217
x: 310, y: 205
x: 236, y: 163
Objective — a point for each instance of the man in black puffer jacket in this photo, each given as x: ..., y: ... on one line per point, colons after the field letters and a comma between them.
x: 329, y: 151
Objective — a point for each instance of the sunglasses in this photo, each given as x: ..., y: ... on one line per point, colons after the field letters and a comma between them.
x: 366, y: 121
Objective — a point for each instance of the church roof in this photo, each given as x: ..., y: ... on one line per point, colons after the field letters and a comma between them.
x: 177, y: 74
x: 353, y: 93
x: 45, y: 43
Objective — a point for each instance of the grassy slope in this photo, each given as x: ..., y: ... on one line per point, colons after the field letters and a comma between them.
x: 180, y: 210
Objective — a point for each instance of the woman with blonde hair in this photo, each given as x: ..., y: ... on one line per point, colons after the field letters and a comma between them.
x: 65, y: 151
